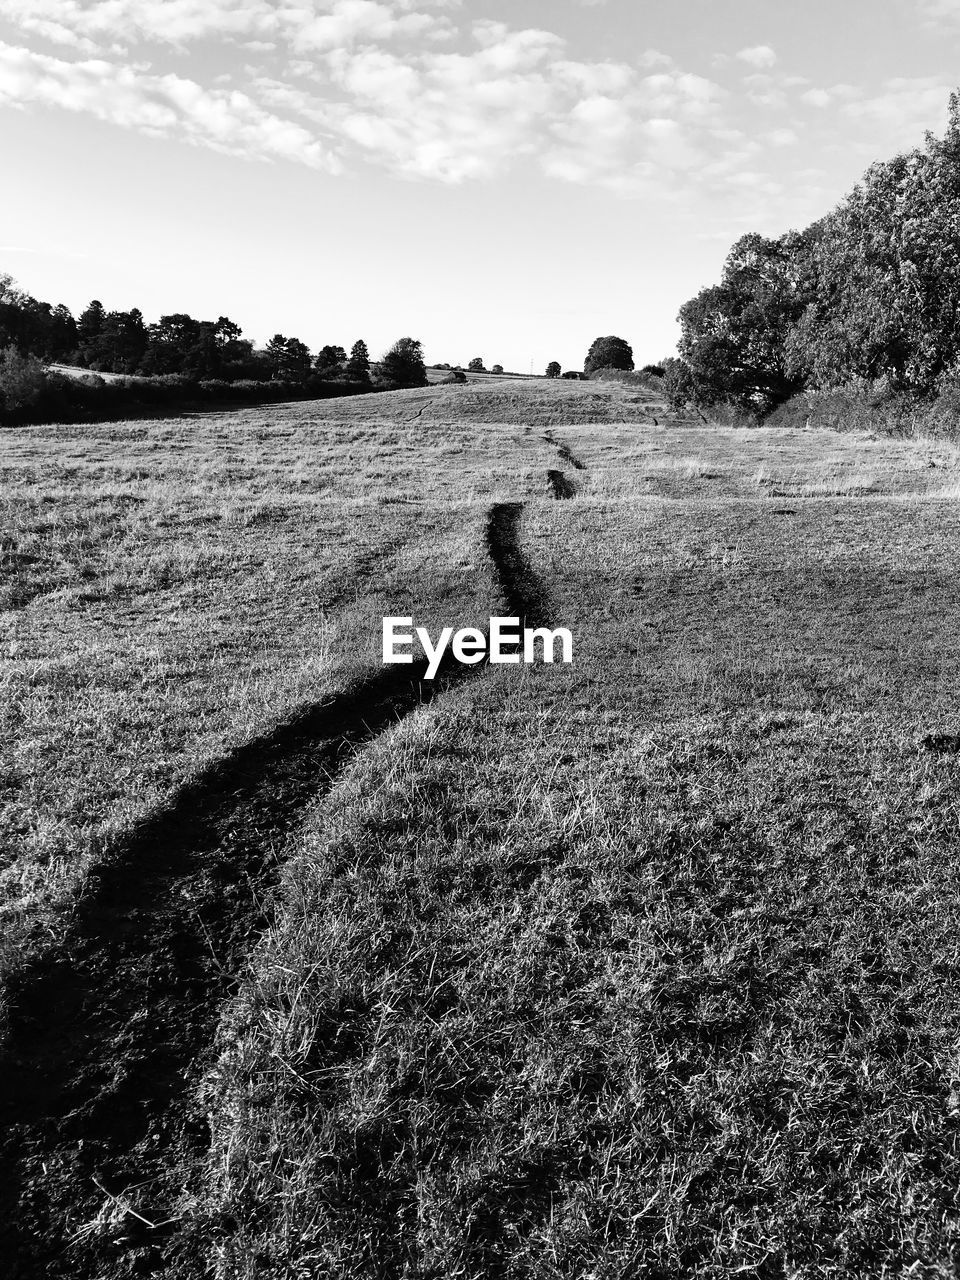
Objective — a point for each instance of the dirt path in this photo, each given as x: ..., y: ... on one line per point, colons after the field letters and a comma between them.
x: 108, y: 1032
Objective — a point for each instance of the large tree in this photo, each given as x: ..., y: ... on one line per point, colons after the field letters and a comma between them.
x: 121, y: 344
x: 734, y: 335
x: 402, y: 366
x: 90, y: 325
x: 553, y: 369
x: 330, y: 362
x: 884, y: 297
x: 288, y: 358
x: 608, y: 353
x: 297, y: 362
x: 358, y: 366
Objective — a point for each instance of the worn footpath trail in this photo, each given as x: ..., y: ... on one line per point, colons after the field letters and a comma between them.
x: 108, y: 1033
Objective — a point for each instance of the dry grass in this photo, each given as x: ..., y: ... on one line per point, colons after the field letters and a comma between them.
x: 645, y: 966
x: 171, y: 589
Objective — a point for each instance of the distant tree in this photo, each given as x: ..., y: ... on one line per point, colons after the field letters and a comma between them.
x: 178, y: 343
x: 608, y: 353
x: 329, y: 363
x: 476, y: 365
x: 63, y: 333
x: 90, y: 325
x: 296, y: 360
x: 553, y: 369
x: 402, y: 366
x: 358, y: 366
x: 287, y: 359
x: 11, y: 295
x: 120, y: 345
x: 15, y: 319
x: 276, y: 355
x: 653, y: 370
x: 497, y: 368
x: 236, y: 355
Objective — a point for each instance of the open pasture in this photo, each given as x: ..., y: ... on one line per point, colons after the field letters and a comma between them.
x: 643, y: 966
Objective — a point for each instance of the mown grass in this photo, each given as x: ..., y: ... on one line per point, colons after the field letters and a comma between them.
x: 170, y: 589
x: 643, y: 967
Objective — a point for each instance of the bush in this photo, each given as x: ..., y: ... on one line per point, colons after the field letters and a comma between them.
x: 22, y: 382
x: 677, y: 383
x: 91, y: 399
x: 874, y: 406
x: 625, y: 376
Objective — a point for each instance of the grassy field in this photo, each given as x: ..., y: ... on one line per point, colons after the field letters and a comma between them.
x: 641, y: 967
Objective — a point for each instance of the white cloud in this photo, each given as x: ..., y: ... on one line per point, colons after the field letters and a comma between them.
x: 758, y: 55
x: 836, y: 94
x: 937, y: 11
x: 225, y: 119
x: 782, y: 137
x: 363, y: 22
x: 413, y: 87
x: 167, y: 21
x: 905, y: 107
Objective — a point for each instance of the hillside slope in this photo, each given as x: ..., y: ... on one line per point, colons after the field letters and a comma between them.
x: 643, y: 965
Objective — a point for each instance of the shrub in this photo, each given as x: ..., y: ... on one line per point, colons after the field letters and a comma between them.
x: 22, y: 382
x: 625, y: 376
x: 865, y: 405
x: 677, y: 383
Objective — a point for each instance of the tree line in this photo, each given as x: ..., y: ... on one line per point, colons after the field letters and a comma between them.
x: 178, y: 345
x: 868, y: 295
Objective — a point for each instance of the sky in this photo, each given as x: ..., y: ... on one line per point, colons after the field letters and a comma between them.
x: 505, y: 178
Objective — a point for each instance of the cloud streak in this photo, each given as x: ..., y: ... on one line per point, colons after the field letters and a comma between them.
x: 162, y: 105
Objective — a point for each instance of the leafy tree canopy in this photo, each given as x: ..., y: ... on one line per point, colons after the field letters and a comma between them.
x: 608, y: 353
x: 871, y: 291
x: 358, y: 366
x: 330, y: 361
x: 402, y: 366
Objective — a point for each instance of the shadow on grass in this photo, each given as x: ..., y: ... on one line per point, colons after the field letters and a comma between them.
x: 108, y: 1031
